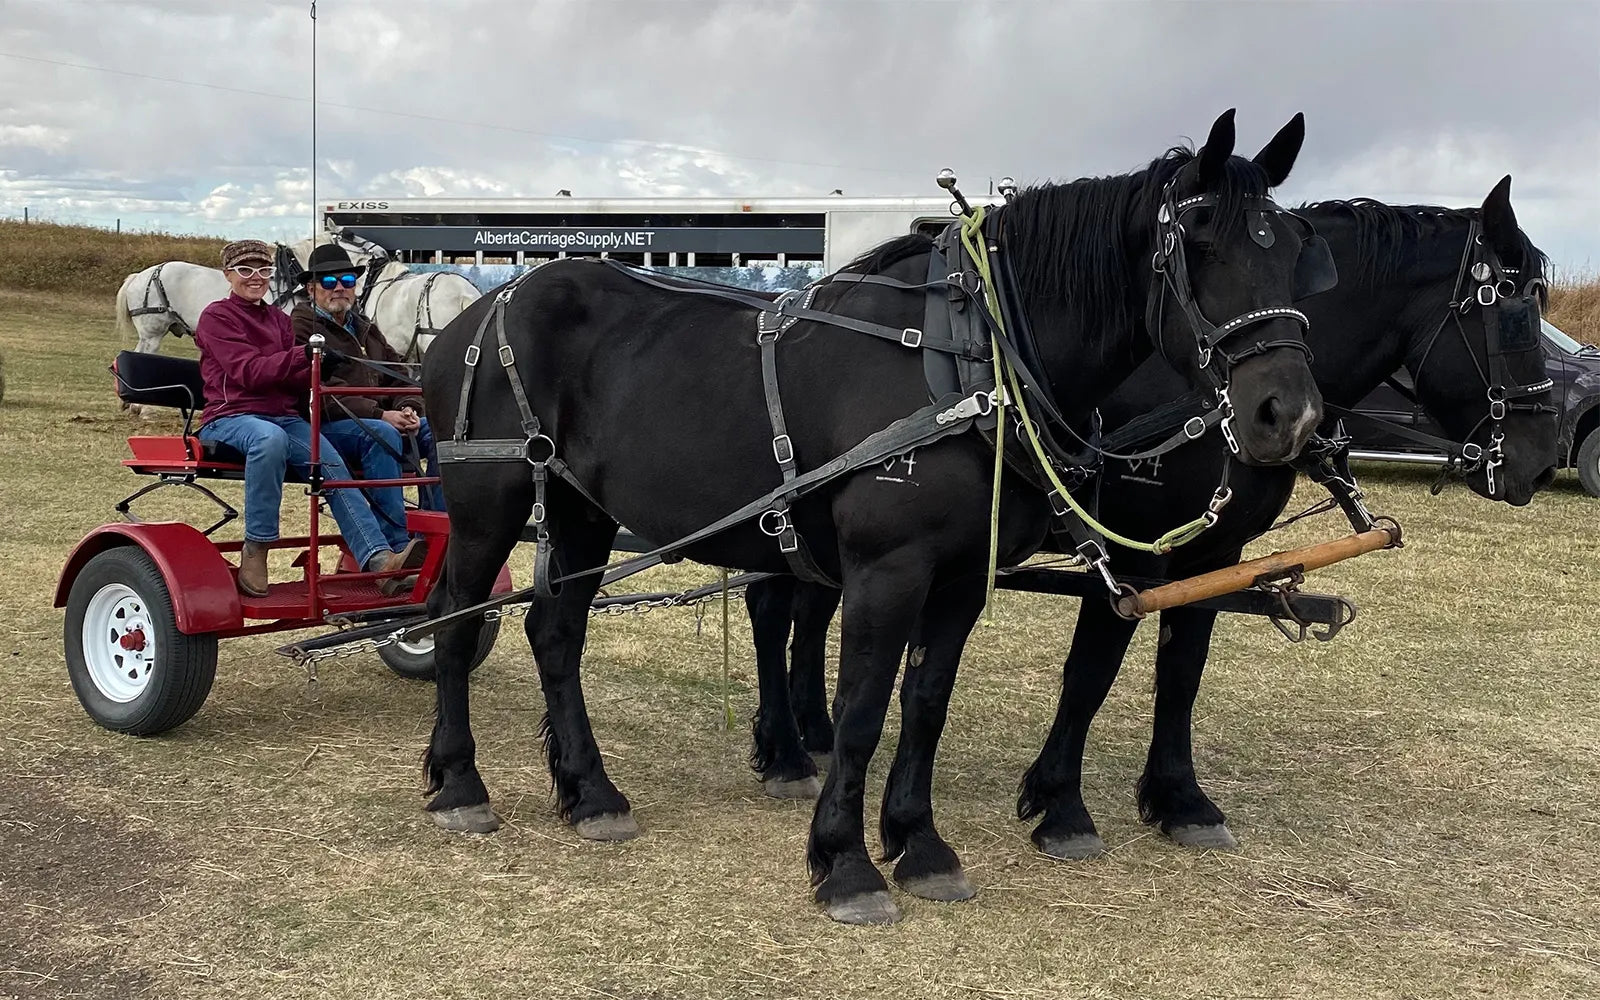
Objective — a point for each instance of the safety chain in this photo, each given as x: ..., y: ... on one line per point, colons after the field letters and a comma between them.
x: 310, y: 658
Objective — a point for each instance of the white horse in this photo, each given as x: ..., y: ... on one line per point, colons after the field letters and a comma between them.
x: 166, y: 298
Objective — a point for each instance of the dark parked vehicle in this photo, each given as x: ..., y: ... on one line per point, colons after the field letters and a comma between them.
x: 1575, y: 369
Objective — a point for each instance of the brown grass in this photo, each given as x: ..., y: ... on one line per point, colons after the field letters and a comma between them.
x: 1575, y: 308
x: 1415, y: 798
x: 44, y: 257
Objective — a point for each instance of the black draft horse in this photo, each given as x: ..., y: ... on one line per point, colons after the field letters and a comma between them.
x: 654, y: 400
x: 1413, y: 293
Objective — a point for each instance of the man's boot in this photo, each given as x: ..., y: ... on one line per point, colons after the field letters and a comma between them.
x: 253, y: 569
x: 410, y: 557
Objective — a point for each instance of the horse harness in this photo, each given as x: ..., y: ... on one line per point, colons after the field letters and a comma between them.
x: 1510, y: 314
x: 956, y: 343
x: 176, y: 323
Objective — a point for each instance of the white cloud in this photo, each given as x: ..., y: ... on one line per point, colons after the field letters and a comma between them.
x: 628, y: 97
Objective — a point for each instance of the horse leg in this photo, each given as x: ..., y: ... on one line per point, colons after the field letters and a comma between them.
x: 1053, y: 784
x: 928, y: 867
x: 814, y: 607
x: 556, y: 628
x: 777, y: 754
x: 881, y: 602
x: 1169, y: 795
x: 478, y: 547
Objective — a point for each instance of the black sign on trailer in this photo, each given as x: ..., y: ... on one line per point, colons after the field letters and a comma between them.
x: 595, y: 239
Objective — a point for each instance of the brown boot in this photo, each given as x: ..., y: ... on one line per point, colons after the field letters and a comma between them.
x: 409, y: 557
x: 253, y: 569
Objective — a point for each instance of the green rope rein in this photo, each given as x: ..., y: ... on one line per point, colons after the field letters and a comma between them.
x: 1011, y: 394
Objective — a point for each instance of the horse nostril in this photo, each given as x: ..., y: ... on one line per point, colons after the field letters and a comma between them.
x: 1269, y: 412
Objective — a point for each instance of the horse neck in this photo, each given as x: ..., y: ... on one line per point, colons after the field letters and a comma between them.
x: 1374, y: 322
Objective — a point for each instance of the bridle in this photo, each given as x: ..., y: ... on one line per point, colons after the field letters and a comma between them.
x: 1314, y: 272
x: 1510, y: 314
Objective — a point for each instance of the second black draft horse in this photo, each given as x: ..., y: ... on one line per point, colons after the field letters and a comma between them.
x: 654, y: 399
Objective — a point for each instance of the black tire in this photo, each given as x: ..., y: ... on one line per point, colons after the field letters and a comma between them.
x: 417, y: 663
x: 142, y: 695
x: 1589, y: 463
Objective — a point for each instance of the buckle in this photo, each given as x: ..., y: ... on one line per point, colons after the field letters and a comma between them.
x: 788, y: 540
x: 1497, y: 409
x: 783, y: 449
x: 471, y: 359
x: 507, y: 359
x: 1058, y: 504
x: 538, y: 513
x: 1487, y: 295
x: 911, y: 337
x: 1194, y: 428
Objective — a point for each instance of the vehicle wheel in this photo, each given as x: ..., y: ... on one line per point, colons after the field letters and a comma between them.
x: 1589, y: 463
x: 133, y: 671
x: 414, y: 660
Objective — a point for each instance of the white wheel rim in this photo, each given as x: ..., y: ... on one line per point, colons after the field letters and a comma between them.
x: 119, y: 642
x: 421, y: 647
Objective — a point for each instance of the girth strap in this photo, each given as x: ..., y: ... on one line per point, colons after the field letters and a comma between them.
x: 777, y: 521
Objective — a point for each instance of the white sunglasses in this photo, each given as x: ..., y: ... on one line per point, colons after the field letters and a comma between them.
x: 254, y: 272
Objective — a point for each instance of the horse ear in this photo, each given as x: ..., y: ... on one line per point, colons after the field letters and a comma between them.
x: 1214, y: 154
x: 1500, y: 222
x: 1278, y: 155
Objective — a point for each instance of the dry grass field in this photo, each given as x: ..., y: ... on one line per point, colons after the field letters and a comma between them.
x: 1415, y: 799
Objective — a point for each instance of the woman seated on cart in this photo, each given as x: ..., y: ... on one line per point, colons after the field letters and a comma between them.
x: 361, y: 424
x: 257, y: 381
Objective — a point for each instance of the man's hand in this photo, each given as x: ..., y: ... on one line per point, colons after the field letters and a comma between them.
x: 405, y: 421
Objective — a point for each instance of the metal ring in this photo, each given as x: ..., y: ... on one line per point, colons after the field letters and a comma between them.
x: 534, y: 440
x: 783, y: 522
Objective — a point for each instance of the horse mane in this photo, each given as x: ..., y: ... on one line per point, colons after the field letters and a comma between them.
x: 1387, y: 235
x: 1070, y: 242
x: 885, y: 255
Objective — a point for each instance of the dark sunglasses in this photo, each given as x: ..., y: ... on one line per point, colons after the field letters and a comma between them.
x: 332, y: 281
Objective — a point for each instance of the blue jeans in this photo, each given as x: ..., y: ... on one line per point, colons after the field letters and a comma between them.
x: 270, y: 446
x: 429, y: 497
x: 377, y: 461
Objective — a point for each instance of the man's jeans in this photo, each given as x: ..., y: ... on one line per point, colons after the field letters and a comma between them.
x: 270, y: 446
x: 429, y: 497
x: 352, y: 441
x: 377, y: 461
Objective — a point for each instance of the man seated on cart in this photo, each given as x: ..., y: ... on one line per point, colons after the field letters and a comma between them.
x: 257, y: 382
x: 361, y: 424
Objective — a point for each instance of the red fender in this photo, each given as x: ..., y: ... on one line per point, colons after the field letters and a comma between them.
x: 199, y: 580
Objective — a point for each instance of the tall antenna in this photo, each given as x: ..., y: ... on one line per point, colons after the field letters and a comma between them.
x: 313, y: 124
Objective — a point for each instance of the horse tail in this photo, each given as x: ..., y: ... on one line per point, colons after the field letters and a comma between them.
x: 124, y: 314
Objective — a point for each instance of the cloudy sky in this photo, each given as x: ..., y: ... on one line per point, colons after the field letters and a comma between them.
x: 195, y: 115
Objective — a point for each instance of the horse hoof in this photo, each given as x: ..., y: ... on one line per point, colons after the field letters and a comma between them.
x: 805, y: 788
x: 1216, y: 837
x: 608, y: 826
x: 824, y: 761
x: 945, y: 887
x: 467, y: 819
x: 1078, y: 847
x: 867, y: 908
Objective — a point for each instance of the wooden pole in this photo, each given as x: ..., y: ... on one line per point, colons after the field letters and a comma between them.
x: 1245, y: 574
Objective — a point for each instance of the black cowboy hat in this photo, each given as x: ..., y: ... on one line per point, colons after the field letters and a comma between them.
x: 329, y: 258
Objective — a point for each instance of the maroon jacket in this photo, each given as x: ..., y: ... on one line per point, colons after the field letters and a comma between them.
x: 249, y: 361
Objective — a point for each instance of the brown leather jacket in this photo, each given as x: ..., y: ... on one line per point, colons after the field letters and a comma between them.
x: 367, y: 342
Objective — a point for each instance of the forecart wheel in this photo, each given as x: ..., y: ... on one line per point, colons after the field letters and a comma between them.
x: 414, y: 660
x: 132, y: 670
